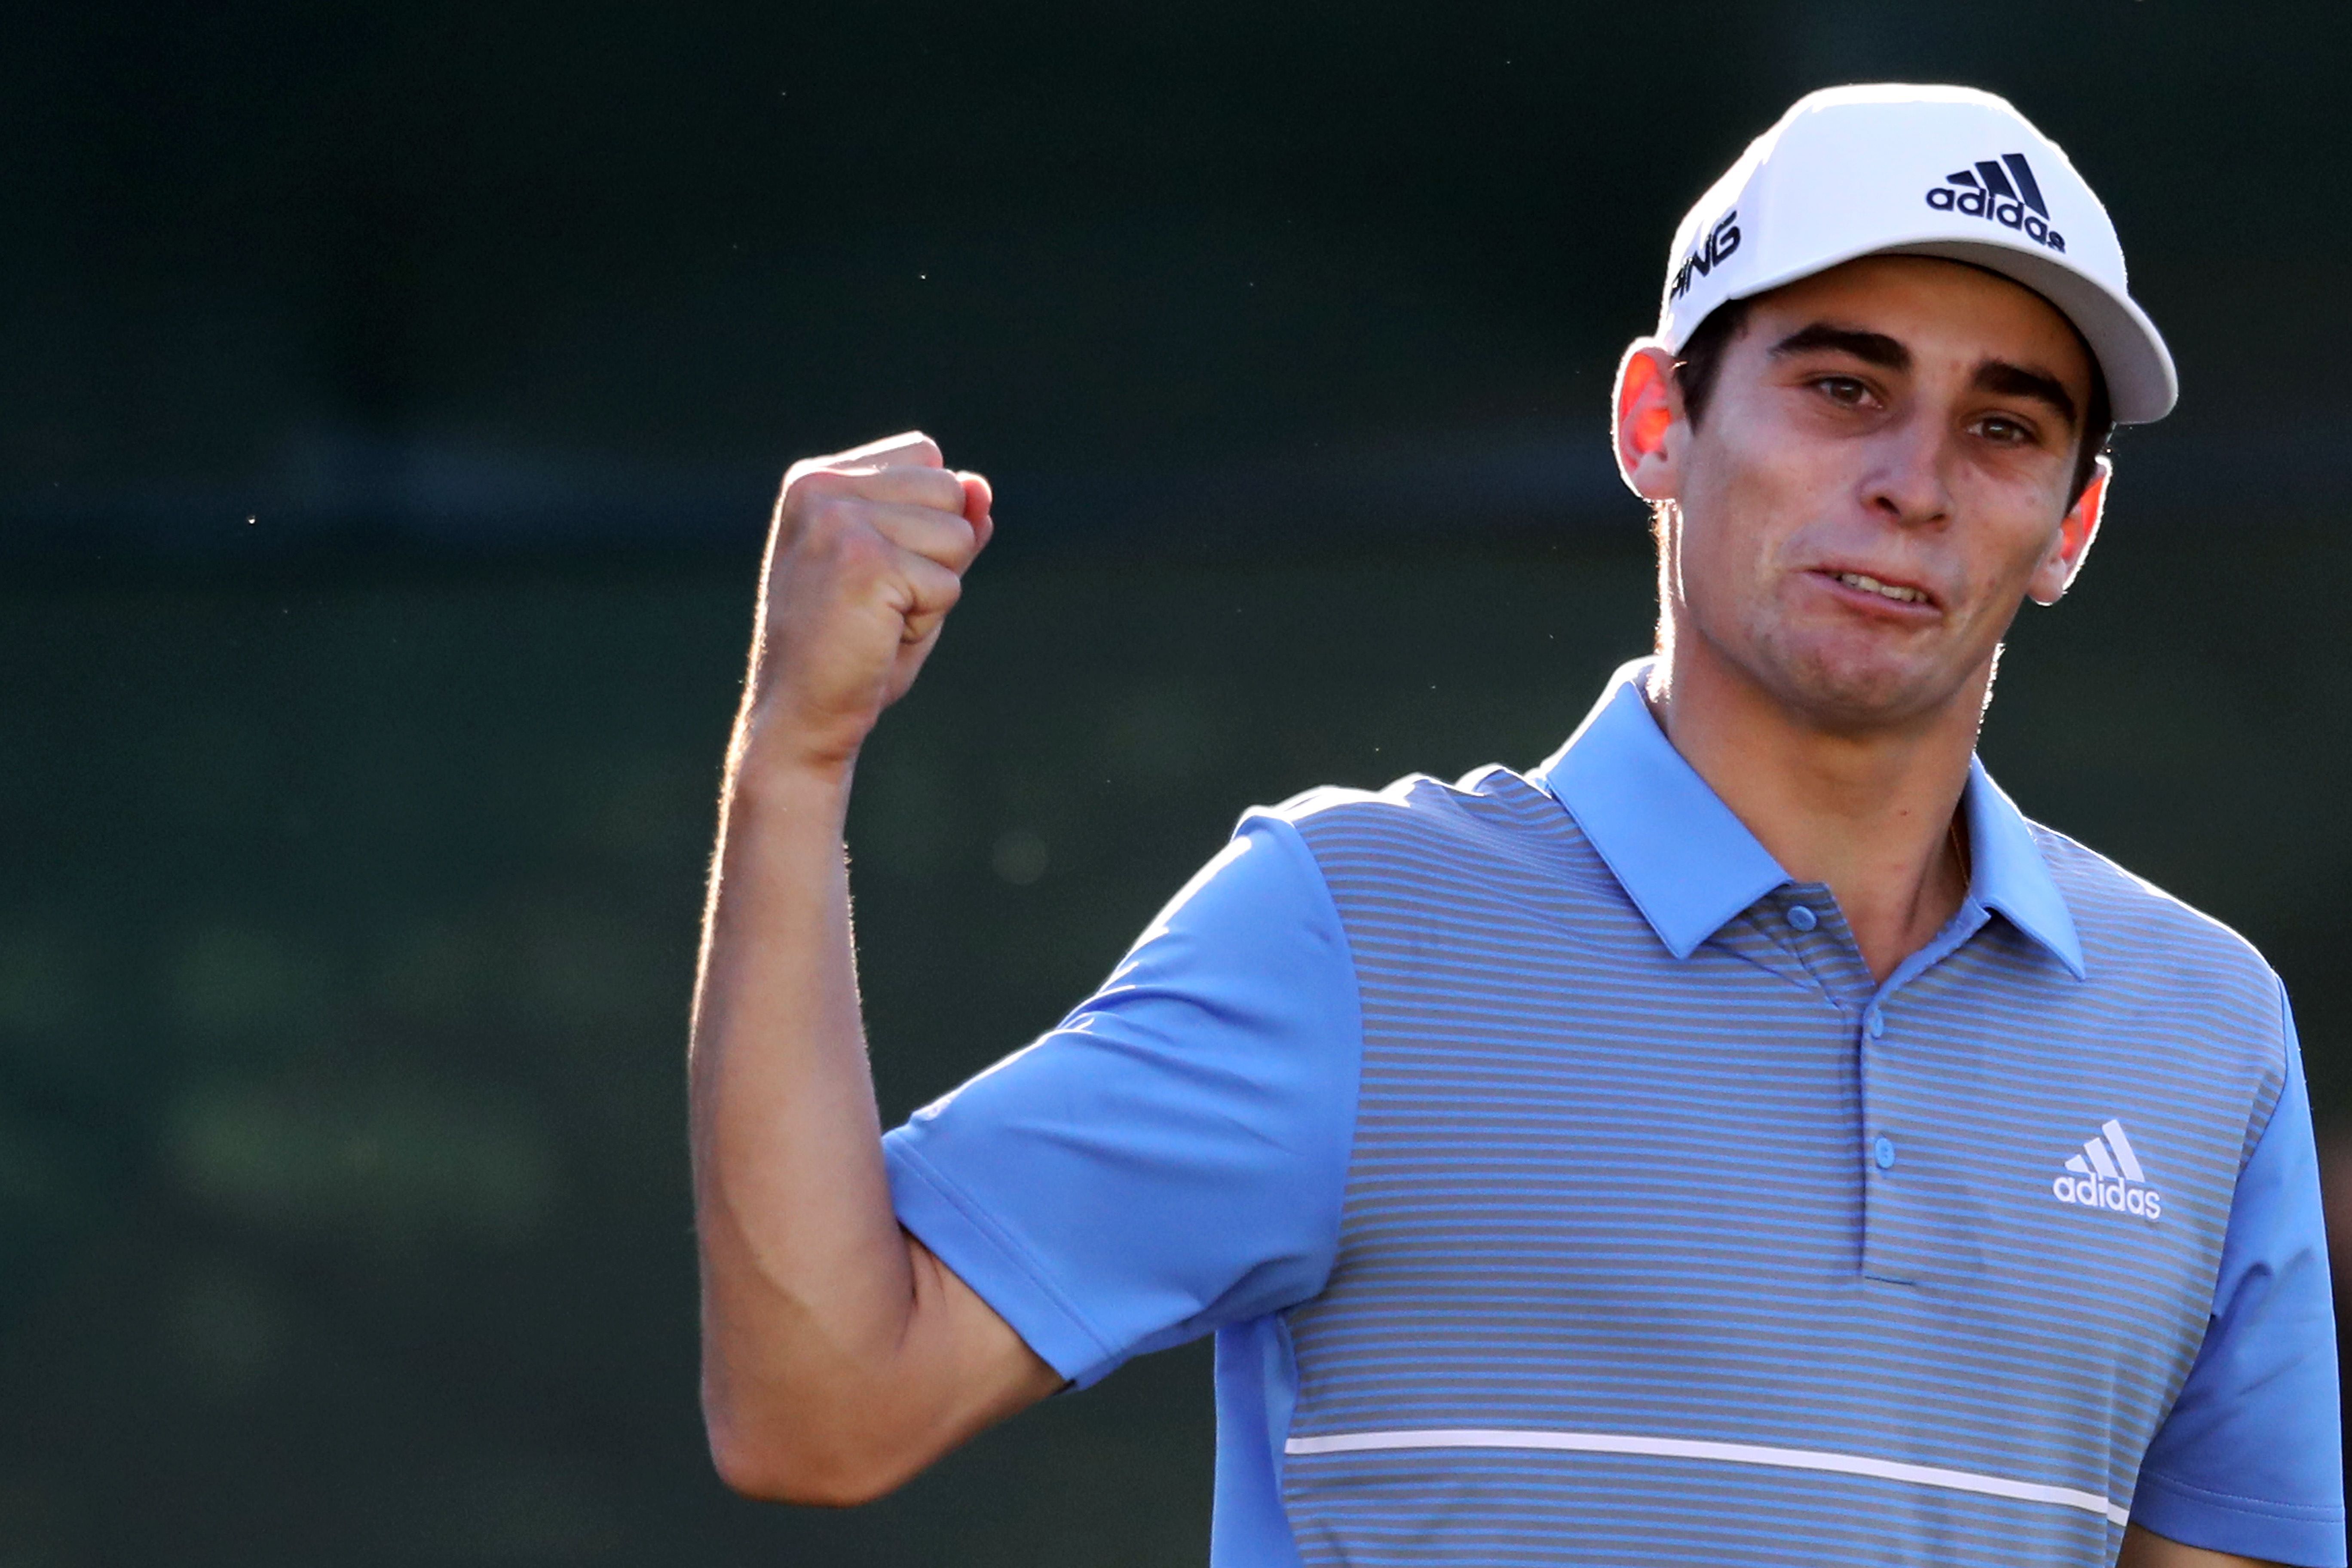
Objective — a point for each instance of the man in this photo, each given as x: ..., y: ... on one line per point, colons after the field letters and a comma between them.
x: 1745, y: 1139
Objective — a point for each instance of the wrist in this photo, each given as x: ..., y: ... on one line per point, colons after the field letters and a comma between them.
x: 767, y: 765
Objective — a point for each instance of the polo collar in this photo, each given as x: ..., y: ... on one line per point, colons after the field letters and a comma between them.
x: 1690, y: 865
x: 1686, y: 862
x: 2009, y: 874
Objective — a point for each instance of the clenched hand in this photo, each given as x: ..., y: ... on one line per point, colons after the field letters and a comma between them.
x: 866, y: 557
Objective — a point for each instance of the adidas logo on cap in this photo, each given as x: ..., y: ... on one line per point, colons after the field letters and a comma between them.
x: 2108, y: 1175
x: 2002, y: 191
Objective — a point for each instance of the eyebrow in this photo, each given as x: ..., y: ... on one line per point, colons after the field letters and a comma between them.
x: 1870, y: 348
x: 1877, y: 348
x: 2016, y: 381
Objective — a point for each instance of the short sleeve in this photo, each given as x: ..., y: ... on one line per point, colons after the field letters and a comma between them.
x: 2250, y: 1459
x: 1170, y: 1158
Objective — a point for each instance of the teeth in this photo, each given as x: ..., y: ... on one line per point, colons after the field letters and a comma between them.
x: 1872, y: 585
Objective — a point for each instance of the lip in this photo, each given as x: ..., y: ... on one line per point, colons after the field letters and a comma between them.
x: 1926, y: 608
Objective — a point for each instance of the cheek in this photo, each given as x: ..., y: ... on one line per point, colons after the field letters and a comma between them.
x: 2014, y: 532
x: 1742, y: 505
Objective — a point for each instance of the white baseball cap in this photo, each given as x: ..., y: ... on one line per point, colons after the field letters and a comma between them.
x: 1893, y: 169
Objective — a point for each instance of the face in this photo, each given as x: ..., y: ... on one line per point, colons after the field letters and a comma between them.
x: 1882, y: 475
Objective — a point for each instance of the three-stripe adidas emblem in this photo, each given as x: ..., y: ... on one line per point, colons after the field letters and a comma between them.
x: 2107, y: 1174
x: 1999, y: 190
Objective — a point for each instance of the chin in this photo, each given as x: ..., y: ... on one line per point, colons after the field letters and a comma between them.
x: 1850, y: 688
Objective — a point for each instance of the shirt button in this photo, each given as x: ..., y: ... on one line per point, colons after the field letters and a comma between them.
x: 1884, y: 1152
x: 1802, y: 918
x: 1875, y: 1022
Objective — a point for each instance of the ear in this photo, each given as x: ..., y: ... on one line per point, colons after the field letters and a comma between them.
x: 1648, y: 423
x: 2056, y: 572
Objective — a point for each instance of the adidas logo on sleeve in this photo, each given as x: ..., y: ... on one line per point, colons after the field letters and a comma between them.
x: 1999, y: 190
x: 2108, y: 1175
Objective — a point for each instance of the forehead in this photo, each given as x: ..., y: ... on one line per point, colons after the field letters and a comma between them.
x: 1943, y: 311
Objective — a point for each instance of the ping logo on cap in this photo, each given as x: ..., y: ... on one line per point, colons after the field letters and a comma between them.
x: 1713, y: 247
x: 2009, y: 196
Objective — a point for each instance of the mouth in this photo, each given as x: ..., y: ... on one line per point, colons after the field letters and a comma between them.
x: 1879, y: 588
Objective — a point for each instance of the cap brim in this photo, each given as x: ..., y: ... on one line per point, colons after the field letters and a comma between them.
x: 2141, y: 382
x: 2142, y: 385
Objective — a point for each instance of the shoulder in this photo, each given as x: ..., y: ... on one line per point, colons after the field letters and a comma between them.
x: 1490, y: 833
x: 2126, y: 919
x: 1488, y: 804
x: 2152, y: 955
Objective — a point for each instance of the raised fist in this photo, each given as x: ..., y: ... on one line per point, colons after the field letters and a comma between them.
x: 866, y: 557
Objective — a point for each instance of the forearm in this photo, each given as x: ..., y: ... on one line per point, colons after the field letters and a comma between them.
x: 839, y: 1357
x: 807, y: 1282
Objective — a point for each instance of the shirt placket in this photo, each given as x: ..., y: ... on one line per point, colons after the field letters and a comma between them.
x: 1802, y: 920
x: 1898, y: 1233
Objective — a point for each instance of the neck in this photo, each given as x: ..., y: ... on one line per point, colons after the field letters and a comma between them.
x: 1871, y: 813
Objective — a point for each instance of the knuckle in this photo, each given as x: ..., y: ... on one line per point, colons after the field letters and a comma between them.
x: 804, y: 496
x: 830, y: 517
x: 808, y: 477
x: 825, y: 539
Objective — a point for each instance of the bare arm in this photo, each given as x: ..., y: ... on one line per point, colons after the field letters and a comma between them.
x: 2144, y: 1549
x: 839, y: 1357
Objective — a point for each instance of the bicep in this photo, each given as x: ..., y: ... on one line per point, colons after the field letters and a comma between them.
x: 964, y: 1367
x: 2146, y: 1549
x: 1172, y: 1157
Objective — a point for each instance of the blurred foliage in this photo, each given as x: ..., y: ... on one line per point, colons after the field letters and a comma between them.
x: 348, y: 924
x: 348, y: 889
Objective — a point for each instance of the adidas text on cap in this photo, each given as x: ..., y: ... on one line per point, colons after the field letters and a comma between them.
x: 1917, y: 170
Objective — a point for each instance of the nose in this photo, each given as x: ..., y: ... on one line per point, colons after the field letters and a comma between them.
x: 1903, y: 483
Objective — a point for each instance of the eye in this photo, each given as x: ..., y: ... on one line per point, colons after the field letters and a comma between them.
x: 2004, y: 430
x: 1847, y: 391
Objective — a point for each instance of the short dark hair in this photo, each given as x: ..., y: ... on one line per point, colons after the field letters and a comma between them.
x: 1702, y: 362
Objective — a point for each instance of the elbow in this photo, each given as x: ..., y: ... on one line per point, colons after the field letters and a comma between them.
x: 808, y: 1468
x: 767, y: 1478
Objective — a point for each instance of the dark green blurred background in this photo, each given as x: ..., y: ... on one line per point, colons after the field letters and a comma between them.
x: 392, y: 401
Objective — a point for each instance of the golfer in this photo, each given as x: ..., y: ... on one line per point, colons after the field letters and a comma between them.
x: 1743, y: 1139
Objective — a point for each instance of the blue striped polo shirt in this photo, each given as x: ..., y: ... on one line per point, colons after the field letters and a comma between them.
x: 1560, y: 1187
